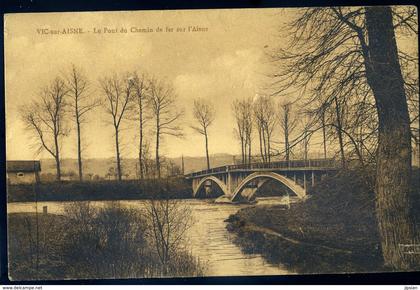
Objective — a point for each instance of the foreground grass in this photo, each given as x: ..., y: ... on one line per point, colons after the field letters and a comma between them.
x: 333, y: 231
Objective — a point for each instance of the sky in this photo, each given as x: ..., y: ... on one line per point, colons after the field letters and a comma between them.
x: 225, y: 62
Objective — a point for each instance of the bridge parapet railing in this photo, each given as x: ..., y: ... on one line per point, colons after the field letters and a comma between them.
x: 310, y: 163
x: 325, y: 163
x: 208, y: 171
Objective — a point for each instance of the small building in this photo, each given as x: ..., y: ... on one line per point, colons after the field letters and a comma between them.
x: 23, y: 171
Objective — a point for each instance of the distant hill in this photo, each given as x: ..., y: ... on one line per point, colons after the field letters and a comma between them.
x: 192, y: 164
x: 100, y: 166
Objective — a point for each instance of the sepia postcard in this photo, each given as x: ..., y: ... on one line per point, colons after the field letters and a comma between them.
x: 202, y: 143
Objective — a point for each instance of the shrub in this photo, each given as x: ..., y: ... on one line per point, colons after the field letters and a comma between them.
x: 106, y: 242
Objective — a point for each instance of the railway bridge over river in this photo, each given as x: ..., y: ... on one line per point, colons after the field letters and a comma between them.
x: 241, y: 182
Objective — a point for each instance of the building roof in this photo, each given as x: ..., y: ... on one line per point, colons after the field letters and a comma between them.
x: 23, y: 166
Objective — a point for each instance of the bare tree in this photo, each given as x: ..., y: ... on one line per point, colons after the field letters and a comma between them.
x: 240, y: 126
x: 259, y: 122
x: 242, y: 110
x: 45, y: 118
x: 204, y: 115
x: 288, y: 123
x: 118, y: 102
x: 168, y: 221
x: 350, y: 54
x: 248, y: 128
x: 173, y: 169
x: 362, y: 131
x: 162, y: 102
x: 81, y: 103
x: 265, y: 120
x: 149, y: 164
x: 112, y: 173
x: 306, y: 135
x: 351, y: 123
x: 140, y: 88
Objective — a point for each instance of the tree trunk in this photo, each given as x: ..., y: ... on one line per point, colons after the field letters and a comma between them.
x: 360, y: 143
x: 261, y: 150
x: 305, y: 146
x: 340, y: 133
x: 286, y: 133
x: 242, y: 149
x: 157, y: 147
x: 140, y: 172
x: 264, y: 145
x: 141, y: 139
x: 393, y: 203
x: 57, y: 158
x: 141, y: 151
x: 286, y: 143
x: 324, y: 138
x: 58, y: 167
x: 245, y: 149
x: 79, y: 150
x: 117, y: 146
x: 249, y: 150
x: 207, y: 149
x: 269, y: 146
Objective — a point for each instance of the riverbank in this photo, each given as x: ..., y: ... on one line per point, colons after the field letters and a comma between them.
x: 333, y: 231
x: 99, y: 190
x: 207, y: 239
x: 91, y: 243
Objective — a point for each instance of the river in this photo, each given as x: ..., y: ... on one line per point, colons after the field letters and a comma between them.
x: 208, y: 237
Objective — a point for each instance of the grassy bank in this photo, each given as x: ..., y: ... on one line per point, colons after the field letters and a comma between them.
x: 333, y: 231
x: 99, y: 190
x: 89, y: 243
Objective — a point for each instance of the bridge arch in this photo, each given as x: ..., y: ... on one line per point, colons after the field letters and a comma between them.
x: 297, y: 189
x: 216, y: 180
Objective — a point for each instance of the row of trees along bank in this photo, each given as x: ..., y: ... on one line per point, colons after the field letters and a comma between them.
x: 65, y: 104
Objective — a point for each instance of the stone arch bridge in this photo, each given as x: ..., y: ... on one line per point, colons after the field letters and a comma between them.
x: 241, y: 182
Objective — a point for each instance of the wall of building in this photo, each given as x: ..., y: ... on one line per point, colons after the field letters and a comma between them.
x: 21, y: 177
